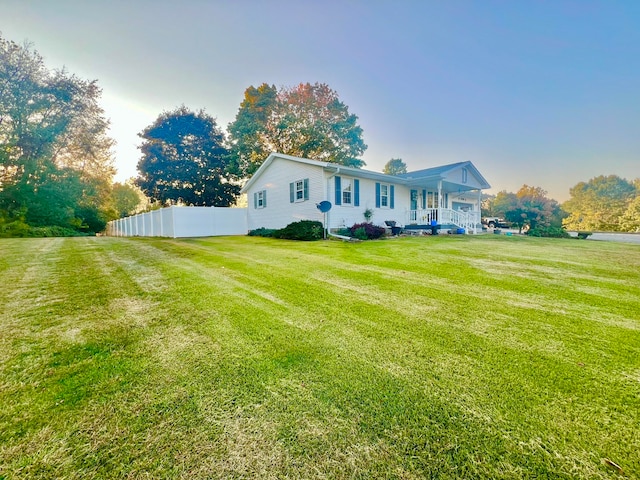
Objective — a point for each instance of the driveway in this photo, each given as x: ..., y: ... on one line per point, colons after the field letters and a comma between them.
x: 616, y: 237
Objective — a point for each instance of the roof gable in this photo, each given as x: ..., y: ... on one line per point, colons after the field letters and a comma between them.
x: 272, y: 156
x: 433, y: 171
x: 444, y: 172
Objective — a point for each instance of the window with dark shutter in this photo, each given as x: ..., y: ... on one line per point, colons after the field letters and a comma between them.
x: 260, y: 199
x: 299, y: 190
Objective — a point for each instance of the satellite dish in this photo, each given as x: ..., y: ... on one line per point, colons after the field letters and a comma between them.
x: 324, y: 206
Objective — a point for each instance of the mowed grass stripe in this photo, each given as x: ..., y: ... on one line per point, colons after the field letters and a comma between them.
x: 246, y: 358
x: 289, y: 254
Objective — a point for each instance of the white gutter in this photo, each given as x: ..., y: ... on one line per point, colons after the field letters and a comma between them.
x: 328, y: 227
x: 341, y: 237
x: 330, y: 177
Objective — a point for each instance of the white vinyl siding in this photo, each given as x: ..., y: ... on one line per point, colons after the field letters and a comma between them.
x: 364, y: 197
x: 463, y: 176
x: 275, y: 182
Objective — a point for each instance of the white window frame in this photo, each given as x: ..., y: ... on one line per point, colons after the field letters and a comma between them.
x: 347, y: 191
x: 384, y: 197
x: 298, y: 191
x: 260, y: 199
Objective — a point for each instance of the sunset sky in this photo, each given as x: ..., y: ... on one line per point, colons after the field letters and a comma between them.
x: 544, y: 93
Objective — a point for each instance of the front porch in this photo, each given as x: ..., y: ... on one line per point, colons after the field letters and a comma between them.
x: 445, y: 217
x: 449, y: 196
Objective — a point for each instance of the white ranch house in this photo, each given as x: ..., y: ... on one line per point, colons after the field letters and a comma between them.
x: 286, y: 189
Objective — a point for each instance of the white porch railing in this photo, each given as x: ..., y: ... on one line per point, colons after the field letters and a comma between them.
x: 443, y: 216
x: 466, y: 220
x: 423, y: 216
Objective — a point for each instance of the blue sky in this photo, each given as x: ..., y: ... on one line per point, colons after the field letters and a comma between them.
x: 544, y: 93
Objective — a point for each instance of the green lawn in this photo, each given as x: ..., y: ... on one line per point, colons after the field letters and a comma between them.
x: 244, y: 357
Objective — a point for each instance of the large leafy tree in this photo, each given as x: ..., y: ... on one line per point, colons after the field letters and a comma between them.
x: 126, y: 199
x: 306, y: 121
x: 395, y: 166
x: 530, y: 206
x: 249, y: 129
x: 52, y: 137
x: 630, y: 221
x: 599, y: 203
x: 487, y: 201
x: 184, y: 161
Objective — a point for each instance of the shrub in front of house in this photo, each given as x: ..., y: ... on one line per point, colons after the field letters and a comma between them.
x: 360, y: 234
x: 366, y: 231
x: 262, y: 232
x: 302, y: 230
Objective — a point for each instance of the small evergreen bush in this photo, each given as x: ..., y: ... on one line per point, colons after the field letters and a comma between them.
x: 366, y: 231
x: 305, y: 230
x: 554, y: 232
x: 262, y: 232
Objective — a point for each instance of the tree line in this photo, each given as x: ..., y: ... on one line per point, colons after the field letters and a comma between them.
x: 57, y: 168
x: 604, y: 203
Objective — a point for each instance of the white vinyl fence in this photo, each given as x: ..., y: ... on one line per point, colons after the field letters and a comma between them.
x: 182, y: 222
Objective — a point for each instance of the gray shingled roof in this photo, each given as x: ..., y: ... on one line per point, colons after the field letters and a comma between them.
x: 432, y: 172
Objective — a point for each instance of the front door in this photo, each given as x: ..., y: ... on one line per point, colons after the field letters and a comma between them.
x: 414, y: 205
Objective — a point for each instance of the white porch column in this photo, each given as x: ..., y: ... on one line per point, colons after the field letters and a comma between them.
x: 440, y: 202
x: 475, y: 224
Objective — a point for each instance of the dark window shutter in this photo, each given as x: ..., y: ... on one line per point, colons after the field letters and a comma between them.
x: 377, y: 195
x: 424, y: 199
x: 356, y: 192
x: 305, y: 187
x: 292, y: 192
x: 338, y: 190
x: 255, y: 200
x: 264, y: 198
x: 391, y: 191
